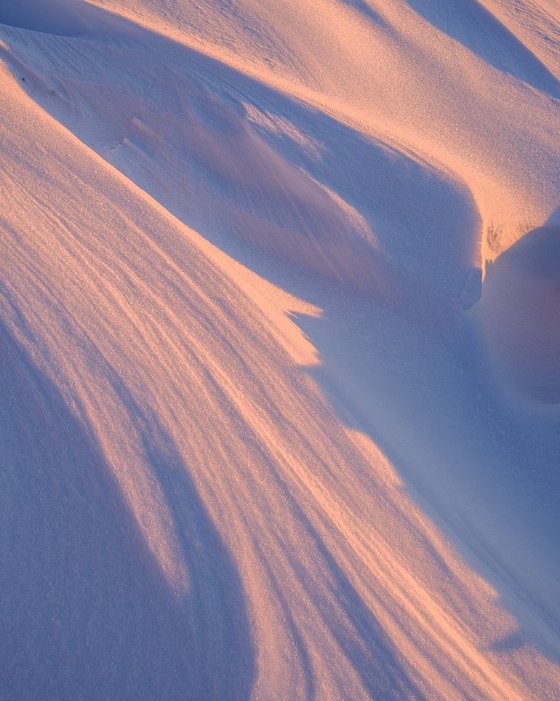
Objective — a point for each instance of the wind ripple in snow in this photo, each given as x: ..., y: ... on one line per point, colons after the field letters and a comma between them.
x: 196, y: 518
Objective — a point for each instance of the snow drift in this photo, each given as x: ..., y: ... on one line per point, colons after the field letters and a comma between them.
x: 521, y: 313
x: 266, y: 431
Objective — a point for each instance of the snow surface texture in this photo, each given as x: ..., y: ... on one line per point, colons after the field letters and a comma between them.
x: 279, y: 329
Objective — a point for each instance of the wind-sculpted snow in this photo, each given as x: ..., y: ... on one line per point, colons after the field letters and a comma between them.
x: 86, y: 612
x: 419, y: 86
x: 257, y: 437
x: 472, y: 25
x: 213, y: 147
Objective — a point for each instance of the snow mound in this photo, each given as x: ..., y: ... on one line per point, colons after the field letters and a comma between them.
x: 206, y: 491
x: 521, y: 312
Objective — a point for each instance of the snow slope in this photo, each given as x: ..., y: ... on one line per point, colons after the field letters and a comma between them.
x: 259, y: 437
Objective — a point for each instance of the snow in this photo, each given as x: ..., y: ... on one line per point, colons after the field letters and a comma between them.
x: 279, y: 401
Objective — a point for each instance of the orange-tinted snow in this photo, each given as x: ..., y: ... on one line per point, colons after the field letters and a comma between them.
x: 419, y: 75
x: 195, y: 503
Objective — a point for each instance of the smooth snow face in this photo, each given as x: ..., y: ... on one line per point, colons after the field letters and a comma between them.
x: 61, y: 17
x: 521, y: 313
x: 242, y: 249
